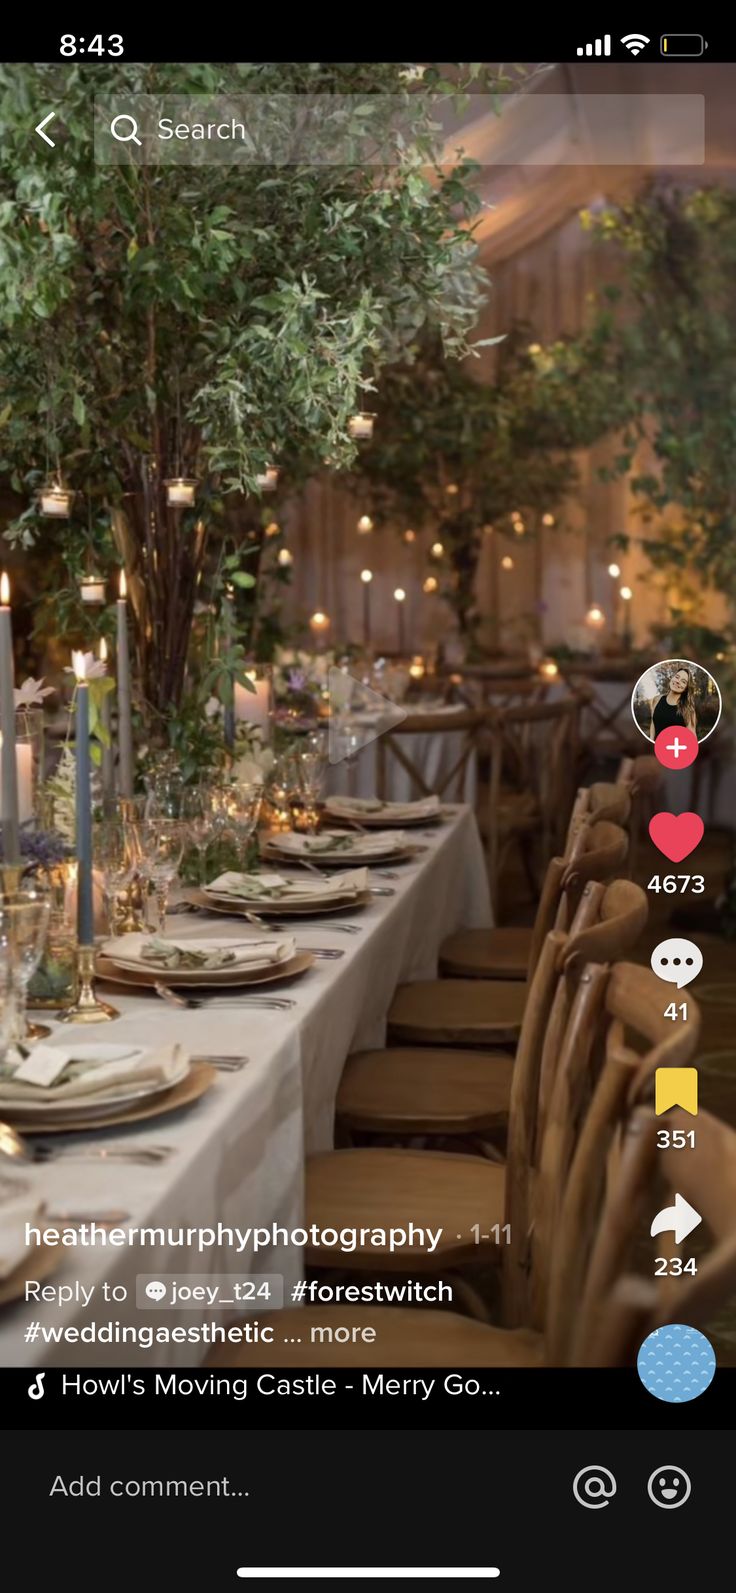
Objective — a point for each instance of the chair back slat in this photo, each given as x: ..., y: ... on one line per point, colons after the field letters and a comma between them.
x: 466, y: 723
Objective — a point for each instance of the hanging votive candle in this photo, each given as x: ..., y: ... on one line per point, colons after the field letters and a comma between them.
x: 180, y: 492
x: 56, y: 500
x: 360, y: 426
x: 268, y: 479
x: 284, y: 557
x: 92, y: 590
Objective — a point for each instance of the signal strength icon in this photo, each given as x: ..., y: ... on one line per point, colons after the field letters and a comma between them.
x: 635, y: 42
x: 598, y: 47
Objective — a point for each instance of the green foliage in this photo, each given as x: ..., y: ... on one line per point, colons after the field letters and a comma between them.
x: 667, y: 357
x: 455, y: 454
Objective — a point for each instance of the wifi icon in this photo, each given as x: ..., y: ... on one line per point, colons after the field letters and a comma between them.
x: 635, y: 42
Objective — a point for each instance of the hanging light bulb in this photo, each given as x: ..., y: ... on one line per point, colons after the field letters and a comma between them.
x: 430, y: 584
x: 626, y: 593
x: 595, y: 617
x: 284, y: 557
x: 614, y: 571
x: 319, y: 622
x: 507, y: 562
x: 437, y: 550
x: 366, y: 577
x: 360, y: 426
x: 365, y: 524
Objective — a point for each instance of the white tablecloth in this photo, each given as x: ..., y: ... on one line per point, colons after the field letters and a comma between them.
x: 434, y: 755
x: 239, y: 1152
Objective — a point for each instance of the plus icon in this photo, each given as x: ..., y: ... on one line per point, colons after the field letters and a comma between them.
x: 676, y: 751
x: 676, y: 747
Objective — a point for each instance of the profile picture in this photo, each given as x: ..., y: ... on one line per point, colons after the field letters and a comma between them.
x: 676, y: 694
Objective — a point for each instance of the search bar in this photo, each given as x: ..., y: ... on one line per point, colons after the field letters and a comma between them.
x: 375, y: 129
x: 438, y: 1572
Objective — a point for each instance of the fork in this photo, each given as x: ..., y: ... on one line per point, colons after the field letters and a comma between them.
x: 174, y: 999
x: 142, y: 1156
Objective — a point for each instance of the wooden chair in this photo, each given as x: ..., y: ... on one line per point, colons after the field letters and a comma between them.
x: 589, y: 1244
x: 533, y: 754
x: 464, y: 1096
x: 507, y: 951
x: 645, y: 777
x: 392, y: 745
x: 374, y: 1189
x: 475, y: 1011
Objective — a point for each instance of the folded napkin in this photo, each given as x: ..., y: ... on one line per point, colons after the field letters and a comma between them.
x: 331, y: 841
x: 196, y: 955
x: 13, y: 1218
x: 269, y: 887
x: 90, y: 1080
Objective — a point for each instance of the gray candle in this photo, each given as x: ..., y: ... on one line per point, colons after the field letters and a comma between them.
x: 125, y: 722
x: 11, y: 840
x: 83, y: 811
x: 108, y: 751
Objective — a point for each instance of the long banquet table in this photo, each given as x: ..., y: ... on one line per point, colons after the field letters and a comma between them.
x: 238, y: 1153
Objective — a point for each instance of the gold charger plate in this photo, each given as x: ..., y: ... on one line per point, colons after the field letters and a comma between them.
x: 46, y: 1259
x: 222, y: 979
x: 377, y: 821
x: 201, y: 1077
x: 276, y: 909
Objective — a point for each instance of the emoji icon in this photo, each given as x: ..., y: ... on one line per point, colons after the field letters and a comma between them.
x: 36, y: 1389
x: 155, y: 1291
x: 594, y: 1486
x: 669, y: 1487
x: 677, y: 961
x: 676, y: 834
x: 676, y: 1087
x: 680, y: 1219
x: 676, y: 1363
x: 676, y: 749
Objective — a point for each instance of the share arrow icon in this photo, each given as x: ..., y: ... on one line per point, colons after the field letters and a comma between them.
x: 679, y: 1219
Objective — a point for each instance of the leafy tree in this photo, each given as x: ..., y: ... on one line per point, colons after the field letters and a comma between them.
x: 207, y: 321
x: 456, y: 454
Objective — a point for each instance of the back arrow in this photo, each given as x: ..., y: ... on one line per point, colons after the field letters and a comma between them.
x: 679, y: 1219
x: 40, y: 129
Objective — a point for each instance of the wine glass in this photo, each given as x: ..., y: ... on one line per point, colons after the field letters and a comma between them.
x: 242, y: 807
x: 162, y: 845
x: 306, y: 780
x: 24, y: 922
x: 116, y: 857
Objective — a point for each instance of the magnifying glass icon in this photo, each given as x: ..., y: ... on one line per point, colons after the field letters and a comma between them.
x: 126, y: 138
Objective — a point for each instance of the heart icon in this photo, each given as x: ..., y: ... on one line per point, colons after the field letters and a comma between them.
x: 676, y: 834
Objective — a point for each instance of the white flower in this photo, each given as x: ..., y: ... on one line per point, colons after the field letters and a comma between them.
x: 212, y: 707
x: 85, y: 666
x: 32, y: 693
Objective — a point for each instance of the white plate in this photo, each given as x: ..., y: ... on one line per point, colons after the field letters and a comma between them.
x: 91, y: 1106
x: 241, y: 964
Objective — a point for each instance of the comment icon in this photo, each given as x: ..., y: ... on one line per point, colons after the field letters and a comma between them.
x: 155, y: 1290
x: 677, y: 961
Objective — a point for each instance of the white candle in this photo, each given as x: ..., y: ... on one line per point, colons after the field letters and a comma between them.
x: 180, y: 492
x: 400, y: 596
x: 11, y: 839
x: 125, y: 722
x: 255, y: 706
x: 92, y: 590
x: 360, y: 427
x: 24, y: 775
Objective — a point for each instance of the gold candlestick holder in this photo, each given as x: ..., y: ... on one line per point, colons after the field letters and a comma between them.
x: 11, y: 875
x: 87, y: 1008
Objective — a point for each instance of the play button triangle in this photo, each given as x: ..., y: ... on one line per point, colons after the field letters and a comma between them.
x: 358, y: 715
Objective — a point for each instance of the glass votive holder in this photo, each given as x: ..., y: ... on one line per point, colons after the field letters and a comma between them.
x: 304, y: 815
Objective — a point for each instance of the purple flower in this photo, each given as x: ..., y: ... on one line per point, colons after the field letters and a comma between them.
x: 296, y: 679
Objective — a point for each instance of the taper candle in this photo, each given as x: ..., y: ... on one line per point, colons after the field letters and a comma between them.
x: 83, y: 807
x: 11, y: 837
x: 366, y: 577
x: 108, y: 751
x: 125, y: 723
x: 400, y: 597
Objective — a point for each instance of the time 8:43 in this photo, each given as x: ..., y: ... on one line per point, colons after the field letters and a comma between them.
x: 672, y: 884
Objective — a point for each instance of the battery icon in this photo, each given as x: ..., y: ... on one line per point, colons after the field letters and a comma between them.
x: 682, y: 44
